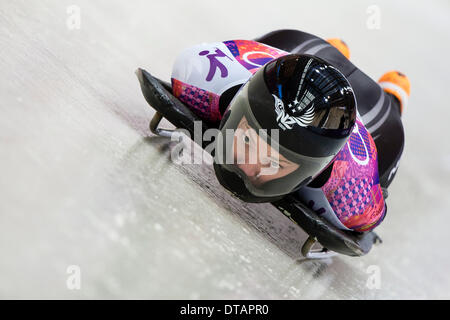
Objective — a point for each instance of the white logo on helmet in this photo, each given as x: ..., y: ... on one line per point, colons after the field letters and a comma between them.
x: 286, y: 121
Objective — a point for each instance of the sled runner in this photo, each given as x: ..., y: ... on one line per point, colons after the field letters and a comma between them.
x: 158, y: 94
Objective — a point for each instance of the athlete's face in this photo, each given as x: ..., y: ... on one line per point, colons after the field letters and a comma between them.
x: 254, y: 157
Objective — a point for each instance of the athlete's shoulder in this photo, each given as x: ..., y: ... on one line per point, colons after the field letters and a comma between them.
x: 251, y: 54
x: 217, y: 66
x: 352, y: 192
x: 202, y: 73
x: 353, y: 188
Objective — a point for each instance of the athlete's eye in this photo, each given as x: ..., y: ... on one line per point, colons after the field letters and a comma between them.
x: 246, y: 139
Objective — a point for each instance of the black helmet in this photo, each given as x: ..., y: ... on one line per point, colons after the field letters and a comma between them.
x: 302, y: 109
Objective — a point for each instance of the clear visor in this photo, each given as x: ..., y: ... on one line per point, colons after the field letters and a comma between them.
x: 255, y: 155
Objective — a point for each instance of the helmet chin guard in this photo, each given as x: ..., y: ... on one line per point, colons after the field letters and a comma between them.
x: 310, y: 106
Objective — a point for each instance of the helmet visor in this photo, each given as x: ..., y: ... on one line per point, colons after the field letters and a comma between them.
x: 254, y: 154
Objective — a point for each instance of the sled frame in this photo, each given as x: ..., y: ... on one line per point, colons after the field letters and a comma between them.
x: 333, y: 240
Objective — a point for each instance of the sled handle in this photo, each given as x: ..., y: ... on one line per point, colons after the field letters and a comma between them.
x: 309, y: 253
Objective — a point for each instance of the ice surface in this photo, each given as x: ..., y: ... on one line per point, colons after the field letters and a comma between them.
x: 84, y: 182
